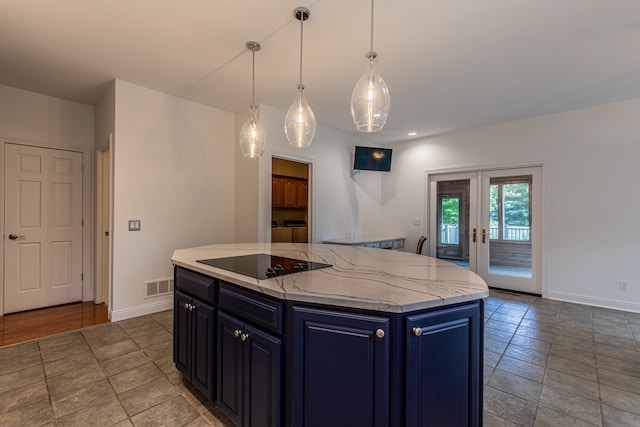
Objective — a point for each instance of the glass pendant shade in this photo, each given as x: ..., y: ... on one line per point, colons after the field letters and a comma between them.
x: 300, y: 122
x: 370, y: 100
x: 252, y: 136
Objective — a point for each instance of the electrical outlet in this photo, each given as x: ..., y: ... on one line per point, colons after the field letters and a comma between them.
x: 416, y: 221
x: 623, y: 286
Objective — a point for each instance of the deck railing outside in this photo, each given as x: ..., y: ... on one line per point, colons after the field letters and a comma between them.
x: 449, y: 233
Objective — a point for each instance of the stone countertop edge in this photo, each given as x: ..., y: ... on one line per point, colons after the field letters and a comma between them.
x: 361, y: 278
x: 363, y: 239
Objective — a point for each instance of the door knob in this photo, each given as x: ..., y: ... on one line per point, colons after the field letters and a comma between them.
x: 15, y: 236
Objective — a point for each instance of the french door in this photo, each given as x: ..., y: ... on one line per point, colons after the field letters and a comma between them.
x: 489, y: 222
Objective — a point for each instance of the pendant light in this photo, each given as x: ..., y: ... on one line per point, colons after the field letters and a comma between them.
x: 300, y: 122
x: 252, y: 136
x: 370, y: 101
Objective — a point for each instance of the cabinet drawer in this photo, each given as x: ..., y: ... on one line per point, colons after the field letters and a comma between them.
x: 251, y: 307
x: 196, y: 284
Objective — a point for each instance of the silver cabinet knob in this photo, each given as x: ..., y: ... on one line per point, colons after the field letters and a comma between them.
x: 417, y: 331
x: 244, y: 337
x: 380, y: 333
x: 236, y: 333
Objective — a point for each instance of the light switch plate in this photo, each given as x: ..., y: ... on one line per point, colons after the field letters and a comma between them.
x: 134, y: 225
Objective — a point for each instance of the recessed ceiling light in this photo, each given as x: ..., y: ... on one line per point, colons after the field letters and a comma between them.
x: 412, y: 133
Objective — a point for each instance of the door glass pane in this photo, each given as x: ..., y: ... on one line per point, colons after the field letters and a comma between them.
x: 452, y: 242
x: 516, y: 211
x: 450, y: 221
x: 494, y: 220
x: 510, y: 251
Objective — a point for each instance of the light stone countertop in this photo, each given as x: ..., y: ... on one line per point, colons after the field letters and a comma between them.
x: 363, y: 239
x: 363, y: 278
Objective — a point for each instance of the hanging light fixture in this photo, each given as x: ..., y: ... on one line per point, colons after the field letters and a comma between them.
x: 252, y: 136
x: 370, y: 101
x: 300, y: 122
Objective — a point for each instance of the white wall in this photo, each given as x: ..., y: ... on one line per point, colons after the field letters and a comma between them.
x: 44, y: 121
x: 173, y: 166
x: 591, y: 199
x: 340, y: 204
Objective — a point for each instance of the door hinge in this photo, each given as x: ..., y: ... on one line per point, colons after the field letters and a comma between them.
x: 82, y: 222
x: 81, y: 276
x: 83, y: 168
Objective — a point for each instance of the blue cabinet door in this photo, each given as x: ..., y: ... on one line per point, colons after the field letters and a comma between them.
x: 263, y: 374
x: 230, y: 367
x: 182, y: 333
x: 341, y: 372
x: 203, y: 337
x: 249, y: 373
x: 193, y: 339
x: 443, y: 371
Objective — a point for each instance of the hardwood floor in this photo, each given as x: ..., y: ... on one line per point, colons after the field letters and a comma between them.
x: 32, y: 324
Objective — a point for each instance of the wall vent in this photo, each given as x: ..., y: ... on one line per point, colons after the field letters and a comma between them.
x: 156, y: 288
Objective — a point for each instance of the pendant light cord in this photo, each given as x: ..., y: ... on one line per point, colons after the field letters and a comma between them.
x: 371, y: 50
x: 302, y: 18
x: 253, y: 79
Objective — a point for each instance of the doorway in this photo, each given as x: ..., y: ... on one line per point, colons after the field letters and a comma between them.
x: 489, y: 222
x: 103, y: 226
x: 290, y: 195
x: 43, y: 227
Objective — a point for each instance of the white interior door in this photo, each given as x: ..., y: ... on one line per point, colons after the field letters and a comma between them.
x: 489, y: 222
x: 43, y: 227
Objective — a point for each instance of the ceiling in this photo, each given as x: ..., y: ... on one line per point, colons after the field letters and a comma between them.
x: 449, y: 64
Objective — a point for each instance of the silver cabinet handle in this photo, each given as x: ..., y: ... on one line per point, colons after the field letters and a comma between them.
x: 417, y: 331
x: 236, y: 333
x: 244, y: 337
x: 380, y: 333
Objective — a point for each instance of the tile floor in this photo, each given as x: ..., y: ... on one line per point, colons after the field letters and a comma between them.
x: 547, y: 363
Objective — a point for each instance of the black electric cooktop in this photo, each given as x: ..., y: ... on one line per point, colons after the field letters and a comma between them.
x: 263, y: 266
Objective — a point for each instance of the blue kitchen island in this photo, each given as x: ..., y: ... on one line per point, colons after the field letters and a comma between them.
x: 328, y: 335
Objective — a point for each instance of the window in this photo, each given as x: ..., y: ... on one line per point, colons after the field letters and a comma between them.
x: 510, y: 208
x: 450, y: 220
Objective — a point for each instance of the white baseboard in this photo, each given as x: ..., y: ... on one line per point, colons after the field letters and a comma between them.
x: 598, y: 302
x: 141, y: 310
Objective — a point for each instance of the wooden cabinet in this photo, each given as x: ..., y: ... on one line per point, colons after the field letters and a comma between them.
x: 277, y: 191
x: 341, y: 374
x: 289, y: 193
x: 443, y: 368
x: 194, y: 336
x: 302, y: 194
